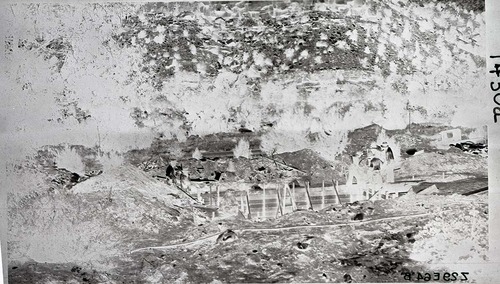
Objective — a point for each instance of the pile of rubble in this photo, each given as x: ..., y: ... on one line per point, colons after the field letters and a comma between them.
x: 472, y: 148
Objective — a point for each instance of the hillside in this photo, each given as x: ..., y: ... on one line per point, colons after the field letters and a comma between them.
x: 300, y: 74
x: 95, y: 221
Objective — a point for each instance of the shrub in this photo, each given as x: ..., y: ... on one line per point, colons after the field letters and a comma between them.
x: 242, y: 149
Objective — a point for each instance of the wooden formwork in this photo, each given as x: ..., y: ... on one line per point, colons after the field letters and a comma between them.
x: 279, y: 200
x: 272, y: 202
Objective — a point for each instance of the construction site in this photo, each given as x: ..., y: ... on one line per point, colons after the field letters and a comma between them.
x: 233, y: 142
x: 268, y: 187
x: 370, y: 215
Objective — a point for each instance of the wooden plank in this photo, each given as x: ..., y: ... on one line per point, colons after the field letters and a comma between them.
x: 309, y: 196
x: 248, y: 207
x: 331, y: 199
x: 317, y: 199
x: 207, y: 208
x: 284, y: 200
x: 259, y: 196
x: 319, y: 193
x: 322, y: 194
x: 268, y: 201
x: 336, y: 192
x: 409, y: 181
x: 279, y: 202
x: 476, y: 191
x: 285, y: 165
x: 264, y: 201
x: 256, y: 207
x: 180, y: 188
x: 294, y: 206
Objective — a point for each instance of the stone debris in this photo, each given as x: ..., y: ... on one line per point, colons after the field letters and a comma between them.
x: 430, y: 190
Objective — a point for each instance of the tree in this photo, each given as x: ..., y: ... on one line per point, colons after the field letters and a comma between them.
x: 197, y: 154
x: 242, y: 149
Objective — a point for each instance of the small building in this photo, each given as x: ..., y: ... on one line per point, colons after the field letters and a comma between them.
x: 450, y: 136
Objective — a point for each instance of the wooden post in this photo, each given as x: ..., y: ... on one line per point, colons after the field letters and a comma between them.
x: 293, y: 192
x: 213, y: 215
x: 198, y: 195
x: 284, y: 200
x: 279, y: 201
x: 248, y: 207
x: 443, y: 176
x: 322, y: 194
x: 309, y: 201
x: 278, y: 207
x: 294, y: 206
x: 218, y: 196
x: 264, y: 201
x: 307, y: 196
x: 335, y: 186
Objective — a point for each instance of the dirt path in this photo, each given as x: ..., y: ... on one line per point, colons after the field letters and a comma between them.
x: 214, y: 236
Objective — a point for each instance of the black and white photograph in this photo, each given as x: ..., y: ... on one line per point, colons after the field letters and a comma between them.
x: 315, y: 141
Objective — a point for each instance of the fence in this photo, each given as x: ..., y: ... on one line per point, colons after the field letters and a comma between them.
x: 273, y: 202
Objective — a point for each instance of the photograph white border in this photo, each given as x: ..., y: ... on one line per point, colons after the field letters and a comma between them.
x: 492, y: 13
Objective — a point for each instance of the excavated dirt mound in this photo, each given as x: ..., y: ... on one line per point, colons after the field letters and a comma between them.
x: 311, y: 162
x: 98, y: 221
x: 127, y: 178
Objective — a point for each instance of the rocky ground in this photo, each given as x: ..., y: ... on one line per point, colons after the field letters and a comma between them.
x: 391, y: 238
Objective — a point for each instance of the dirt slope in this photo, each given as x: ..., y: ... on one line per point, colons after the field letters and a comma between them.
x: 98, y: 220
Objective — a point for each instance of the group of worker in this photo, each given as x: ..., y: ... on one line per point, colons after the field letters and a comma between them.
x: 175, y: 173
x: 377, y: 157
